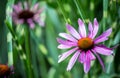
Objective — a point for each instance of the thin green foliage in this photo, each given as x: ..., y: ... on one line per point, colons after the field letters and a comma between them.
x: 34, y: 52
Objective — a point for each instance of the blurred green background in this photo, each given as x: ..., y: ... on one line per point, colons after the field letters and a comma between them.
x: 43, y: 44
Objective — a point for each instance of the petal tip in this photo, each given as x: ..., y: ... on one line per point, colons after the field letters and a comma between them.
x: 68, y: 69
x: 58, y: 39
x: 86, y: 72
x: 80, y: 21
x: 95, y: 22
x: 59, y: 61
x: 67, y: 26
x: 60, y: 34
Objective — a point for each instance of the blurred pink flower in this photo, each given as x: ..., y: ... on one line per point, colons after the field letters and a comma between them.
x: 84, y: 46
x: 5, y: 71
x: 27, y: 15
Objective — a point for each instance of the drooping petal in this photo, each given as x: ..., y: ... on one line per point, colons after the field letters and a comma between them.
x: 38, y: 20
x: 35, y: 7
x: 31, y: 23
x: 66, y: 42
x: 20, y: 6
x: 41, y: 23
x: 72, y: 61
x: 95, y: 30
x: 73, y: 31
x: 82, y: 57
x: 62, y: 46
x: 103, y: 36
x: 40, y: 10
x: 66, y: 54
x: 82, y: 29
x: 90, y: 28
x: 100, y: 60
x: 90, y: 55
x: 16, y: 8
x: 103, y: 50
x: 87, y: 64
x: 20, y: 21
x: 68, y: 36
x: 14, y: 15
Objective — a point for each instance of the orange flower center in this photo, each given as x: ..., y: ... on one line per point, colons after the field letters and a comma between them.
x: 4, y: 70
x: 85, y: 43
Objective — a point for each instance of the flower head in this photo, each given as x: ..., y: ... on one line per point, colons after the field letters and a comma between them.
x: 5, y: 71
x: 27, y: 15
x: 84, y: 46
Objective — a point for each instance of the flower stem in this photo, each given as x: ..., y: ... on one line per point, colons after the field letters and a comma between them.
x: 79, y: 10
x: 89, y: 75
x: 27, y: 48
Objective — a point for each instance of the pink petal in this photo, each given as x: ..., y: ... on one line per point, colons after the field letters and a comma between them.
x: 90, y: 28
x: 31, y: 23
x: 90, y: 55
x: 20, y: 6
x: 103, y: 36
x: 38, y: 20
x: 18, y: 21
x: 72, y: 61
x: 67, y: 36
x: 95, y: 30
x: 73, y: 31
x: 82, y: 29
x: 66, y: 42
x: 17, y: 8
x: 66, y: 54
x: 82, y: 57
x: 103, y: 50
x: 40, y: 10
x: 35, y: 7
x: 62, y: 46
x: 87, y: 64
x: 14, y: 15
x: 100, y: 60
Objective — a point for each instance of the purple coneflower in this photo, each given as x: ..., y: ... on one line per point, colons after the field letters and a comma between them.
x: 5, y: 71
x: 27, y: 15
x: 84, y: 46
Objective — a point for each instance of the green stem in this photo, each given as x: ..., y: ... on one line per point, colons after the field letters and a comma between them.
x: 79, y: 10
x: 89, y: 75
x: 92, y: 6
x: 10, y: 29
x: 10, y: 50
x: 19, y: 47
x: 58, y: 2
x: 105, y: 6
x: 27, y: 48
x: 9, y: 36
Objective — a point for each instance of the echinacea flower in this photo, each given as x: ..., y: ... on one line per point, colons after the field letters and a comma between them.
x: 84, y: 46
x: 27, y: 15
x: 5, y: 71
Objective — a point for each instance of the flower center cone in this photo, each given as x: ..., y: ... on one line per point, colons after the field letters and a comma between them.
x: 26, y: 14
x: 85, y: 43
x: 4, y: 70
